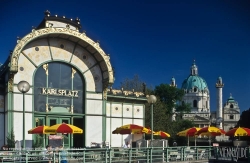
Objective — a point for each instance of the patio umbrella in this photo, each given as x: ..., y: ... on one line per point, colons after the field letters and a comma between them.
x: 131, y: 129
x: 39, y: 130
x: 210, y: 131
x: 162, y: 134
x: 240, y: 131
x: 64, y: 129
x: 189, y: 132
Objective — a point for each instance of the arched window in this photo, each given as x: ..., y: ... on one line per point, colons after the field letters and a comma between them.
x: 58, y: 85
x: 195, y: 89
x: 195, y: 103
x: 231, y: 106
x: 206, y: 104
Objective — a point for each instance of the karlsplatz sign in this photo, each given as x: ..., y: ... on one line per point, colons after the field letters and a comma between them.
x: 229, y: 153
x: 59, y: 92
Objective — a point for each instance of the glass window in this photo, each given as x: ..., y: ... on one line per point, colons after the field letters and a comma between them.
x: 61, y: 78
x: 195, y: 103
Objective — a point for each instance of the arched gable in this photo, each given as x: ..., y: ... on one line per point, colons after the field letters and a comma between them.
x: 80, y: 40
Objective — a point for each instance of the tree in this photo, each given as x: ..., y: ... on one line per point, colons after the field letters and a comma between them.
x: 135, y: 84
x: 168, y: 97
x: 11, y: 139
x: 38, y: 142
x: 171, y: 96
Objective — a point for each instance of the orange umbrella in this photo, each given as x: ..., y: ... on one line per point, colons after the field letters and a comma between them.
x: 131, y: 129
x: 162, y: 134
x: 189, y: 132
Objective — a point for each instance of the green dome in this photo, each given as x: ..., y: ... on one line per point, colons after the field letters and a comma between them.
x: 194, y: 81
x: 231, y: 99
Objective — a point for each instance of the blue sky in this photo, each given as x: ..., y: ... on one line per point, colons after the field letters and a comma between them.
x: 156, y: 39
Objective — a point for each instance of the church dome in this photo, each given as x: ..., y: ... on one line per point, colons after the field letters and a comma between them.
x: 194, y: 81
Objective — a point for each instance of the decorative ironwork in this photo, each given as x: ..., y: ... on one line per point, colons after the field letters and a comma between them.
x: 45, y: 67
x: 73, y: 72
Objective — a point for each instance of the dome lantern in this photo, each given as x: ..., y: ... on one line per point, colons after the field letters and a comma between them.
x: 194, y: 69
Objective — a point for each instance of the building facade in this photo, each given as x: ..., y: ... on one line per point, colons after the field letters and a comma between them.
x: 69, y: 76
x: 198, y: 96
x: 231, y: 113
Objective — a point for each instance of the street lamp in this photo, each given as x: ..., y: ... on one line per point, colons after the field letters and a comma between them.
x: 23, y: 87
x: 151, y: 101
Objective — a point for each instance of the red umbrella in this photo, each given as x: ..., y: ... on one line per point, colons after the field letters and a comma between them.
x: 210, y: 131
x: 162, y: 134
x: 240, y: 131
x: 38, y: 130
x: 189, y: 132
x: 131, y: 129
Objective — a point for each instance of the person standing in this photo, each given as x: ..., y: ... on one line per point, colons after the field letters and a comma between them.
x: 63, y: 154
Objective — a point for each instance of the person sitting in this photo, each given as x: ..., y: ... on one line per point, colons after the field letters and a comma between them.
x: 126, y: 145
x: 49, y: 153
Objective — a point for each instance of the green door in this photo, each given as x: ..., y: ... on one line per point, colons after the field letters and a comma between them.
x: 66, y: 137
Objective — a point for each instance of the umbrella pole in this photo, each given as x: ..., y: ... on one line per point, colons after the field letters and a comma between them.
x: 195, y: 140
x: 63, y: 141
x: 44, y: 136
x: 188, y: 140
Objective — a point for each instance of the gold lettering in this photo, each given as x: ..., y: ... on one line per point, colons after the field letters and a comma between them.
x: 76, y: 95
x: 52, y: 91
x: 64, y: 92
x: 48, y: 91
x: 73, y: 93
x: 59, y: 92
x: 44, y: 91
x: 69, y: 93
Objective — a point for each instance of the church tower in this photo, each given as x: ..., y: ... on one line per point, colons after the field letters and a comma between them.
x: 173, y: 109
x: 219, y: 85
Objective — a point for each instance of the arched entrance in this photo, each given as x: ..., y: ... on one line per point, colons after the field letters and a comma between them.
x: 59, y: 95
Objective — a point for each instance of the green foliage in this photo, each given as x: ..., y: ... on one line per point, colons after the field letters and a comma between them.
x: 168, y: 97
x: 11, y: 139
x: 38, y: 141
x: 177, y: 126
x: 171, y: 96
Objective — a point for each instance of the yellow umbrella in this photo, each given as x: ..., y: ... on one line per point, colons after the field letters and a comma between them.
x: 39, y: 130
x: 189, y: 132
x: 131, y: 129
x: 162, y: 134
x: 210, y: 131
x: 64, y: 128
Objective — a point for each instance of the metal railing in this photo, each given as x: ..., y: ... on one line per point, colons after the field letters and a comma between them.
x: 110, y: 155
